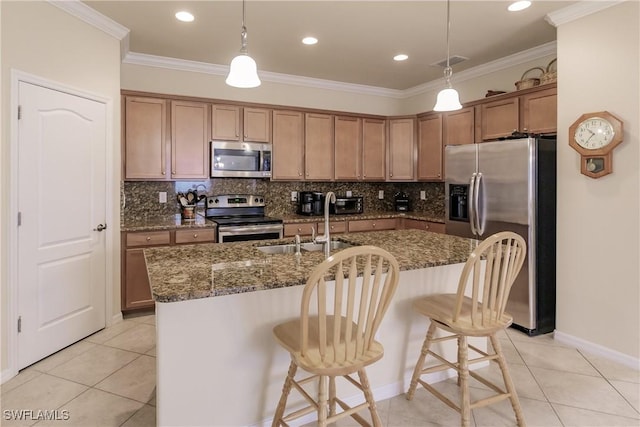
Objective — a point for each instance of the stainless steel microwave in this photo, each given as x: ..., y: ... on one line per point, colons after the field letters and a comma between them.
x: 240, y: 159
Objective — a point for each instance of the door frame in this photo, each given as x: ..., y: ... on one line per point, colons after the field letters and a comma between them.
x: 18, y: 76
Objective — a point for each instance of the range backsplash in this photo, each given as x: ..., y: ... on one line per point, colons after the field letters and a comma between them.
x: 140, y: 199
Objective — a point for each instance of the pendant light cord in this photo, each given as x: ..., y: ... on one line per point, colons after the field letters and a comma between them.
x: 243, y: 35
x: 448, y: 71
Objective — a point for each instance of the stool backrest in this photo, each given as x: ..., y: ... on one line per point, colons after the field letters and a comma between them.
x: 490, y: 270
x: 348, y: 315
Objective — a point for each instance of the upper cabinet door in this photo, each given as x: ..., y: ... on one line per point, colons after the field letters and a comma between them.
x: 500, y: 118
x: 401, y: 150
x: 225, y: 122
x: 374, y: 146
x: 145, y: 138
x: 288, y: 145
x: 430, y: 148
x: 189, y: 139
x: 257, y: 125
x: 348, y: 142
x: 539, y: 111
x: 458, y: 127
x: 318, y: 147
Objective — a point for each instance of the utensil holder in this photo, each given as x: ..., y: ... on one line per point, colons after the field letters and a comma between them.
x: 188, y: 212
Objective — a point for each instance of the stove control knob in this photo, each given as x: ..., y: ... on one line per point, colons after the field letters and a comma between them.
x: 261, y: 200
x: 255, y: 200
x: 216, y: 201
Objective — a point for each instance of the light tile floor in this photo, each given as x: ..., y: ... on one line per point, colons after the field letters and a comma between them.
x: 108, y: 379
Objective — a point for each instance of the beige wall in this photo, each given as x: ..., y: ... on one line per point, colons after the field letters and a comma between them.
x: 598, y: 219
x: 161, y: 80
x: 42, y: 40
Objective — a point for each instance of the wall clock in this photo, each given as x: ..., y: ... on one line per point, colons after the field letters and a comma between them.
x: 594, y: 136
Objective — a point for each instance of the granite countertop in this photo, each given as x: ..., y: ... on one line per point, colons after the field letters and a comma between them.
x: 179, y: 273
x: 421, y: 216
x: 165, y: 223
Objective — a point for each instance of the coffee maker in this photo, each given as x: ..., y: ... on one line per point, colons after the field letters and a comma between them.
x: 310, y: 203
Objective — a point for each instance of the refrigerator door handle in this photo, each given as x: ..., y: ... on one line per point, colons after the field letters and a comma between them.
x: 476, y: 208
x: 472, y: 198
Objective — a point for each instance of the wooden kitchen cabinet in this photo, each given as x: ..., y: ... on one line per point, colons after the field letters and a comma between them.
x: 257, y: 125
x: 430, y: 147
x: 301, y: 229
x: 458, y: 127
x: 401, y: 150
x: 318, y: 147
x: 288, y: 145
x: 372, y: 224
x: 145, y: 138
x: 225, y: 122
x: 539, y: 111
x: 189, y: 140
x: 348, y: 146
x: 135, y: 289
x: 500, y: 118
x: 374, y: 137
x: 205, y: 235
x: 334, y: 227
x: 416, y: 224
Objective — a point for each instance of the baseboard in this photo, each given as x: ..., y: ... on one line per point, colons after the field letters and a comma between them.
x: 6, y: 375
x: 384, y: 392
x: 597, y: 349
x: 116, y: 318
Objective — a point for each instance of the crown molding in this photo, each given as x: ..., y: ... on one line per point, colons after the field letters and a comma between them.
x: 92, y: 17
x: 488, y: 68
x: 144, y: 59
x: 578, y: 10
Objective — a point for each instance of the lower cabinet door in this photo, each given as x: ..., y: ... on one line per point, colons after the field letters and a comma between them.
x: 137, y: 293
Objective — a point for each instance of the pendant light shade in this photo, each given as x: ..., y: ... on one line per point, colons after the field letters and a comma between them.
x: 448, y: 98
x: 243, y: 71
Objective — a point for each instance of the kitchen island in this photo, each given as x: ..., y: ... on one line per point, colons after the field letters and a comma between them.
x: 216, y: 304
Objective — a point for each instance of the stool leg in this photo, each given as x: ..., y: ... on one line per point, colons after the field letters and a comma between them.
x: 368, y: 395
x: 322, y: 401
x: 286, y: 389
x: 508, y: 382
x: 463, y: 380
x: 420, y: 363
x: 332, y: 396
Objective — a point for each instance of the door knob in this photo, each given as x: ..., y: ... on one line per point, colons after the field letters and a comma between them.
x: 100, y: 227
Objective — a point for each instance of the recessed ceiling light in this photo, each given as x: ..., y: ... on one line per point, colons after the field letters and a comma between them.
x: 401, y: 57
x: 184, y: 16
x: 519, y: 5
x: 309, y: 40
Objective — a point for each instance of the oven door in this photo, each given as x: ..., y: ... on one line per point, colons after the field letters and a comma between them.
x: 243, y: 233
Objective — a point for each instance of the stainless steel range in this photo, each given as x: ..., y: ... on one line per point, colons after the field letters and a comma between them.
x: 240, y: 217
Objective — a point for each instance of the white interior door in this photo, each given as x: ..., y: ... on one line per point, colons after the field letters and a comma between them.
x: 61, y: 200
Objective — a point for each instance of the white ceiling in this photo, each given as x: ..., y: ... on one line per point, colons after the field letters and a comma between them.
x: 357, y: 39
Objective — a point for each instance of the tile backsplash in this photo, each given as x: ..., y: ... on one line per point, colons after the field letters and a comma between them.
x: 140, y: 199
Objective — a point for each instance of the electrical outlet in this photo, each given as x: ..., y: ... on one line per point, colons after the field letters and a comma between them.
x: 162, y: 197
x: 381, y: 194
x: 423, y: 195
x: 349, y: 193
x: 294, y: 196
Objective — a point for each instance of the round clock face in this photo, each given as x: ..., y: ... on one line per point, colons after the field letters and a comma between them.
x: 594, y: 133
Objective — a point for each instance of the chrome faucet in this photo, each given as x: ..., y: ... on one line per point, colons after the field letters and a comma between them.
x: 325, y: 239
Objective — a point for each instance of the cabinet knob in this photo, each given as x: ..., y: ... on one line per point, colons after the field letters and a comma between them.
x: 195, y: 236
x: 164, y: 173
x: 332, y: 227
x: 373, y: 225
x: 426, y: 227
x: 299, y: 173
x: 390, y: 174
x: 299, y: 229
x: 148, y: 239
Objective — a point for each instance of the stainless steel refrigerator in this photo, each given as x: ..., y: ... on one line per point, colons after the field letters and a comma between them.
x: 510, y: 185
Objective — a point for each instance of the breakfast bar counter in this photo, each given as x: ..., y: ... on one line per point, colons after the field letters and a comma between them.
x: 216, y: 304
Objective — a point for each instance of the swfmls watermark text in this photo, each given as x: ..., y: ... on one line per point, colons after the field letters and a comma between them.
x: 35, y: 414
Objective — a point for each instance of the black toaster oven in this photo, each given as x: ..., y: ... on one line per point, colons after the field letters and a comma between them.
x: 347, y: 205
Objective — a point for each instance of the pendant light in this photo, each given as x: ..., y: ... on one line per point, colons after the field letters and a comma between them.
x: 448, y: 99
x: 243, y: 72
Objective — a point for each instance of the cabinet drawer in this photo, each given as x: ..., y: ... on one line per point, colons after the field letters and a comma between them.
x: 149, y: 238
x: 435, y: 227
x: 372, y: 224
x: 196, y: 236
x: 303, y: 229
x: 334, y: 227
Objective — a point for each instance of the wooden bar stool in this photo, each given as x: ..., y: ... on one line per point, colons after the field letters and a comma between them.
x: 487, y: 278
x: 337, y: 337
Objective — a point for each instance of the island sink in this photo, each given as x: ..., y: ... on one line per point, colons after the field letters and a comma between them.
x: 308, y: 247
